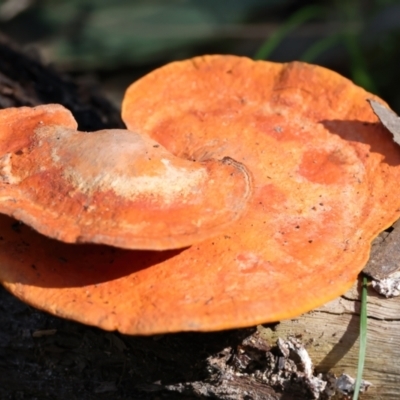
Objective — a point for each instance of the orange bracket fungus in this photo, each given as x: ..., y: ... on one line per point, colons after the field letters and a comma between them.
x: 113, y: 186
x: 313, y: 172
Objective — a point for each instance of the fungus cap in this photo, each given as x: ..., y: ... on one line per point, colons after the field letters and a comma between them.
x: 113, y: 186
x: 325, y: 174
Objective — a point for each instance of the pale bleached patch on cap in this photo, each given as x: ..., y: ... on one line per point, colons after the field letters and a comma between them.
x: 108, y: 161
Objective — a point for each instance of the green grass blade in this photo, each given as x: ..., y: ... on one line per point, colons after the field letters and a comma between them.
x: 351, y: 12
x: 297, y: 19
x: 319, y: 47
x: 358, y: 65
x: 363, y: 339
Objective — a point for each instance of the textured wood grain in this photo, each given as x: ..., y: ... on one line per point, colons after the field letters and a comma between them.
x: 331, y: 336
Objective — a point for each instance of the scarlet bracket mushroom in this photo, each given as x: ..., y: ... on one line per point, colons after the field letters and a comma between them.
x: 324, y: 177
x: 113, y: 186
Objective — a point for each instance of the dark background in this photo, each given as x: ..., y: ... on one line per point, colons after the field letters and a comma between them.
x: 112, y: 43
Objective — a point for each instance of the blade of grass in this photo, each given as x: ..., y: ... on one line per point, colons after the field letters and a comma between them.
x: 319, y: 47
x: 363, y: 338
x: 358, y: 65
x: 295, y: 20
x: 352, y: 13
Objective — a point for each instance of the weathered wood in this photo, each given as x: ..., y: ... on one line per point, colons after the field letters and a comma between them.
x: 331, y: 336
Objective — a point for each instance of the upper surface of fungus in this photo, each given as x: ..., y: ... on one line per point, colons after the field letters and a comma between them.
x: 325, y: 174
x: 113, y: 186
